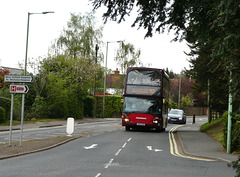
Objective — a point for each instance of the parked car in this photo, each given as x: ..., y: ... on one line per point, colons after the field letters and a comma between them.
x: 176, y: 116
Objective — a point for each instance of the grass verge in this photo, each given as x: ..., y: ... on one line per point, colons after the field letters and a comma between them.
x: 214, y: 130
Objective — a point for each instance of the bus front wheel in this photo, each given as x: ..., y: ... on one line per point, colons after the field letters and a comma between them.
x: 127, y: 128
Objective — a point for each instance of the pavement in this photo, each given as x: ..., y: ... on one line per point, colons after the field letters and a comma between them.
x: 193, y: 142
x: 197, y: 144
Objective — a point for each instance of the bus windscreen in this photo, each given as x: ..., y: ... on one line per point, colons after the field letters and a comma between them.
x: 142, y: 105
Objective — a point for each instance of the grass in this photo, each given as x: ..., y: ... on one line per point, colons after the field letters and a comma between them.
x: 214, y: 130
x: 17, y: 122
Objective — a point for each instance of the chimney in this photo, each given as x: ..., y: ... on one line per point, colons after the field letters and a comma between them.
x: 116, y: 72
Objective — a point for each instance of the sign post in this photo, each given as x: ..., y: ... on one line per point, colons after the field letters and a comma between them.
x: 19, y: 89
x: 18, y: 79
x: 22, y: 89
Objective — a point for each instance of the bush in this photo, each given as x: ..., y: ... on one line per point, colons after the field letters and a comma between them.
x: 235, y: 131
x: 2, y: 115
x: 113, y: 106
x: 88, y: 109
x: 6, y: 104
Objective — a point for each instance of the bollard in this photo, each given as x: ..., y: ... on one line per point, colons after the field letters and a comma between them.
x: 70, y: 126
x: 193, y: 119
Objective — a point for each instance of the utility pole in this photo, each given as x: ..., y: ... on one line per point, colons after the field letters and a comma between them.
x: 209, y: 104
x: 229, y: 115
x: 179, y: 91
x: 95, y: 103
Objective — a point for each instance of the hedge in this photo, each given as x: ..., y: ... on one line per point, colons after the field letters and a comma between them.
x: 2, y: 115
x: 6, y: 104
x: 235, y: 131
x: 88, y: 110
x: 113, y: 106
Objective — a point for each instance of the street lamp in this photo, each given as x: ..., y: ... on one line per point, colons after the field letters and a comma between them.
x: 105, y: 72
x: 25, y: 68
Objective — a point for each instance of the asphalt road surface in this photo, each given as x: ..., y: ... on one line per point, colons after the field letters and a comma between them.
x: 110, y: 151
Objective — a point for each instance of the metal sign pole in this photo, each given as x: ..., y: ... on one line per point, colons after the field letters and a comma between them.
x: 23, y: 97
x: 11, y: 119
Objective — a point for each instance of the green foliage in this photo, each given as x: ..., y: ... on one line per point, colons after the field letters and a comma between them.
x: 68, y: 73
x: 235, y: 131
x: 113, y: 106
x: 80, y: 37
x: 6, y: 105
x: 236, y: 165
x: 172, y: 104
x: 89, y: 103
x: 127, y: 56
x: 39, y: 108
x: 187, y: 101
x: 2, y: 115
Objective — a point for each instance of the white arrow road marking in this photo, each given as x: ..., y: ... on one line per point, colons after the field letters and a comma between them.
x: 149, y: 148
x: 91, y: 147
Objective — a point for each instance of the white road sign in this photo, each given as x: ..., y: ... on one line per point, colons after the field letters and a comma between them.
x: 19, y: 88
x: 18, y: 78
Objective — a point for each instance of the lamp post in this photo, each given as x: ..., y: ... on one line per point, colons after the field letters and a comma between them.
x: 25, y: 70
x: 105, y: 73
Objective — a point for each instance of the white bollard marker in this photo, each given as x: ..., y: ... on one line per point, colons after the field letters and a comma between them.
x: 70, y: 126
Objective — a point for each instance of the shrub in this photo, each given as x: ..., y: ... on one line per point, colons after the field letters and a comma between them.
x: 2, y: 115
x: 6, y: 104
x: 113, y: 106
x: 88, y: 109
x: 235, y: 131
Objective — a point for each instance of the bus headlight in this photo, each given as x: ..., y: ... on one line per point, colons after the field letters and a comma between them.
x: 155, y: 120
x: 125, y: 118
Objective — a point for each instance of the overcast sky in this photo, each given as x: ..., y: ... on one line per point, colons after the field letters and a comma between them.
x: 159, y: 51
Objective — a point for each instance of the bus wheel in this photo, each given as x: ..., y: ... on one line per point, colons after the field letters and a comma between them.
x: 127, y: 128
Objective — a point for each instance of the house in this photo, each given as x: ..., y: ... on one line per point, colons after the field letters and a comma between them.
x: 115, y: 82
x: 13, y: 71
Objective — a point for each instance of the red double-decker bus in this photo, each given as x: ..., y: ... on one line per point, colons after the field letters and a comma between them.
x: 146, y: 98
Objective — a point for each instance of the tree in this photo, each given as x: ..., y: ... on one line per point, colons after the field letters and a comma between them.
x: 66, y: 77
x: 127, y: 56
x: 210, y: 27
x: 80, y: 37
x: 2, y: 74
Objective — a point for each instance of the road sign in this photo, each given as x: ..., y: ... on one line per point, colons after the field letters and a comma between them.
x: 18, y: 78
x: 19, y: 88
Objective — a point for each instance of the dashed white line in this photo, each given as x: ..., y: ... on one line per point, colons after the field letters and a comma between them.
x: 124, y: 145
x: 99, y: 174
x: 110, y: 162
x: 118, y: 152
x: 129, y: 139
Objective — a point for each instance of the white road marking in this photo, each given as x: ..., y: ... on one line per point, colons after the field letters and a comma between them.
x: 149, y: 148
x: 99, y: 174
x: 91, y: 147
x: 118, y: 152
x: 124, y: 145
x: 110, y: 162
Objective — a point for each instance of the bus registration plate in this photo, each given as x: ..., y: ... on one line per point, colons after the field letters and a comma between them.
x: 140, y: 124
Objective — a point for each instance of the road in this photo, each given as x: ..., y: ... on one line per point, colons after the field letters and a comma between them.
x: 48, y: 132
x: 110, y: 151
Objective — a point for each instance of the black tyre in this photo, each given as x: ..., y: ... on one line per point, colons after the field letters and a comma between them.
x: 127, y: 128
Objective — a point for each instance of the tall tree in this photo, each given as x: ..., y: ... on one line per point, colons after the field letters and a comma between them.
x: 80, y: 37
x: 127, y: 56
